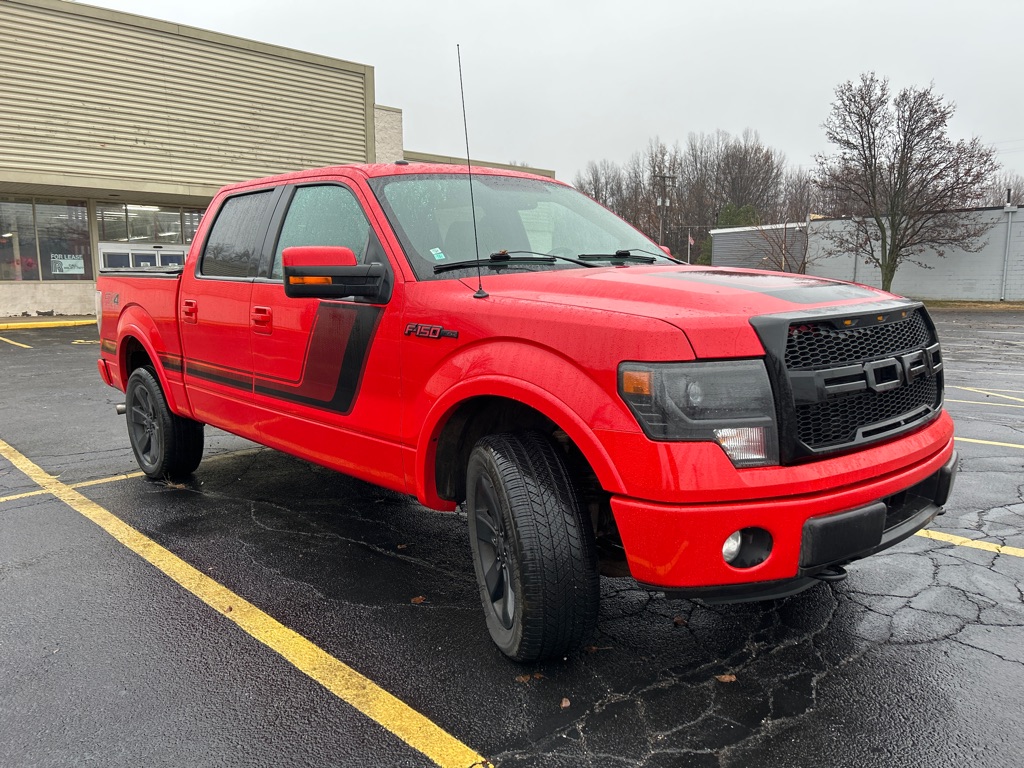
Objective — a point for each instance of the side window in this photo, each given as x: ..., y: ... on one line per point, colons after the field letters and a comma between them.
x: 236, y: 235
x: 326, y: 215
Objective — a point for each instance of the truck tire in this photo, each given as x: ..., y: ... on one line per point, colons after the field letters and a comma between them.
x: 533, y: 553
x: 165, y: 445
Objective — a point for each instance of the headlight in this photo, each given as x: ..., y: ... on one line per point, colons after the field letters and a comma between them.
x: 729, y: 403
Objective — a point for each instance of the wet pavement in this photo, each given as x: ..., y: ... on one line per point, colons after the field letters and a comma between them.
x: 916, y: 660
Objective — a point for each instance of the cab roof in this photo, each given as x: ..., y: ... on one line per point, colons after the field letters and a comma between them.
x: 377, y: 170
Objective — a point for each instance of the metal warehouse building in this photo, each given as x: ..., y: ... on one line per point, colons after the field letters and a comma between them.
x: 993, y: 272
x: 117, y: 130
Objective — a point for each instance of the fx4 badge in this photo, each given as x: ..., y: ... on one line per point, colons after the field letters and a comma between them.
x: 429, y: 331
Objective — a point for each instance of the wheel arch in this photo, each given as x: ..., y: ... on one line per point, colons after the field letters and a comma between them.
x: 136, y: 332
x: 490, y: 404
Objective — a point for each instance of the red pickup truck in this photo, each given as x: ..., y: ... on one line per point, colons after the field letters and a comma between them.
x: 500, y: 341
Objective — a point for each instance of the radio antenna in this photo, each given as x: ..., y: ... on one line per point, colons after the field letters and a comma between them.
x: 480, y: 292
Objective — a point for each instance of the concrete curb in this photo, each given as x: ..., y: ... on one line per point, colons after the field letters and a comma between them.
x: 68, y: 323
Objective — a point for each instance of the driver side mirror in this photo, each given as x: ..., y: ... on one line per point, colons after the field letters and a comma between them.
x: 329, y: 272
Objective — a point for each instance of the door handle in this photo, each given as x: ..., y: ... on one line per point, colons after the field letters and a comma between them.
x: 190, y: 311
x: 262, y: 320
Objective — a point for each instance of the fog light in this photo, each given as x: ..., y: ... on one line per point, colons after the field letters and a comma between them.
x: 747, y: 547
x: 731, y: 548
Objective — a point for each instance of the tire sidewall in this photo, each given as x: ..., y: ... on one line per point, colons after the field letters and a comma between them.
x: 145, y: 379
x: 509, y: 640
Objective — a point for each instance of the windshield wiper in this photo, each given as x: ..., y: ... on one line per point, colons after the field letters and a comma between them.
x: 501, y: 259
x: 626, y: 254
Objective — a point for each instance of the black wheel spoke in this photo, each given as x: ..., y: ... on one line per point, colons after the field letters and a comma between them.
x: 508, y: 603
x: 486, y: 529
x: 497, y: 584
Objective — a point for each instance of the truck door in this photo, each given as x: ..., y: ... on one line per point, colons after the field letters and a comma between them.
x: 327, y: 371
x: 213, y: 313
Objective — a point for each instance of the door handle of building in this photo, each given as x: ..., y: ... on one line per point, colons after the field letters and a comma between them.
x: 262, y: 319
x: 190, y: 311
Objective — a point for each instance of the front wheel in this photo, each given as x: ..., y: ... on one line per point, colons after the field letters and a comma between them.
x: 533, y: 552
x: 165, y: 445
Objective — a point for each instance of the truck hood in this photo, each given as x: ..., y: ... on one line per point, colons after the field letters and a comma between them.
x: 712, y: 306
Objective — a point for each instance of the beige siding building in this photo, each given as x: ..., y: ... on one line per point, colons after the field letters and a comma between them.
x: 118, y: 129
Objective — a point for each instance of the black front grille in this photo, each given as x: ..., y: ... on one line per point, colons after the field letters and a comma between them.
x: 821, y: 345
x: 852, y: 379
x: 835, y: 421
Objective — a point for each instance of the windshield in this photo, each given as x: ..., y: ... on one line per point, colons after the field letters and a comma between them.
x: 433, y: 218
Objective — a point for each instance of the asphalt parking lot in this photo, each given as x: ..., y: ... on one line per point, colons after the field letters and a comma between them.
x: 270, y: 612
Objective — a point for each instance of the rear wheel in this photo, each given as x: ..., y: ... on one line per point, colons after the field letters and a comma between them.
x: 165, y: 445
x: 533, y: 553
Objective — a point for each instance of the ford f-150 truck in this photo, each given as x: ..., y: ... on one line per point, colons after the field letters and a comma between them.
x: 500, y: 341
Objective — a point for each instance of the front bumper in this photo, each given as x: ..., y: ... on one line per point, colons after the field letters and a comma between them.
x: 678, y: 549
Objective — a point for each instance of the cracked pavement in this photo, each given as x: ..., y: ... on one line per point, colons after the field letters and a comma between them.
x: 916, y: 660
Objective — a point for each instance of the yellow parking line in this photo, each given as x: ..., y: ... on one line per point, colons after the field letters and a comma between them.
x: 128, y: 475
x: 960, y: 541
x: 989, y: 442
x: 15, y: 343
x: 344, y: 682
x: 990, y: 393
x: 83, y: 484
x: 982, y: 402
x: 45, y: 324
x: 27, y: 495
x: 102, y: 480
x: 1010, y: 391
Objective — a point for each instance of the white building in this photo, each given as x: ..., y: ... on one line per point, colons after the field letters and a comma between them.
x: 117, y: 130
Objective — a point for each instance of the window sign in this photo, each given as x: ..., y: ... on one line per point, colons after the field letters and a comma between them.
x: 63, y: 232
x: 67, y: 264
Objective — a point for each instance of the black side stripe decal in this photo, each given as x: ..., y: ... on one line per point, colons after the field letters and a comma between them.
x: 334, y: 323
x: 338, y: 327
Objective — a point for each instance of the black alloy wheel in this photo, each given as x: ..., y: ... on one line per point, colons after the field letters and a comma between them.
x: 533, y: 551
x: 493, y: 553
x: 165, y: 445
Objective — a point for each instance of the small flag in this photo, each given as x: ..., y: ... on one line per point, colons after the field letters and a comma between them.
x: 692, y: 241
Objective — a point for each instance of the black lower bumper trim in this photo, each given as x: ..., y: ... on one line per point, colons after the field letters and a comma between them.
x: 744, y: 593
x: 843, y: 537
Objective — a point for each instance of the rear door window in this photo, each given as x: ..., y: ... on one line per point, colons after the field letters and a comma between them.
x: 232, y: 249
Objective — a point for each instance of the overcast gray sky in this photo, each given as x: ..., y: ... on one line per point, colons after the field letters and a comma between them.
x: 562, y: 82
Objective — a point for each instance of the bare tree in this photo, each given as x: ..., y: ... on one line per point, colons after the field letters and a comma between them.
x: 898, y: 175
x: 749, y: 173
x: 603, y: 182
x: 784, y: 247
x: 674, y: 194
x: 800, y: 197
x: 1000, y: 184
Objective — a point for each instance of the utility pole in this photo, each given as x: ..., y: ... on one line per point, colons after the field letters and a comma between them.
x: 663, y: 202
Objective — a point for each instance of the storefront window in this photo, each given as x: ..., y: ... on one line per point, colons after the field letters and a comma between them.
x: 112, y: 222
x: 154, y: 224
x: 63, y: 231
x: 18, y: 259
x: 190, y: 218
